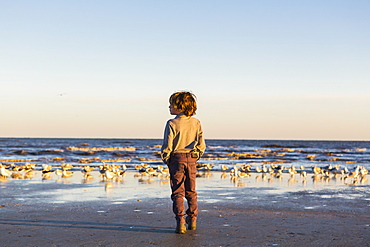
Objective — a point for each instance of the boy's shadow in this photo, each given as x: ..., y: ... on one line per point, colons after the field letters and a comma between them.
x: 86, y: 225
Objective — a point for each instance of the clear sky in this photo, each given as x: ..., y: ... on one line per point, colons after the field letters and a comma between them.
x: 261, y: 69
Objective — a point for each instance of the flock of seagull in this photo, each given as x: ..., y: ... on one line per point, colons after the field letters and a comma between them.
x: 107, y: 171
x: 114, y: 171
x: 279, y: 169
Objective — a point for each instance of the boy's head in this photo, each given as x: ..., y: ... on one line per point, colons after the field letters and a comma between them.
x: 184, y: 102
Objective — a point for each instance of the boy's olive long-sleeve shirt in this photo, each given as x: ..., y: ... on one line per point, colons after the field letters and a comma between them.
x: 182, y: 134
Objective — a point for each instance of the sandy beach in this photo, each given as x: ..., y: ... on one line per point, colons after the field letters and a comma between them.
x: 136, y: 211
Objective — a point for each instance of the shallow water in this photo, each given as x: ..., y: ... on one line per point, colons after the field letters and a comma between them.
x: 213, y: 187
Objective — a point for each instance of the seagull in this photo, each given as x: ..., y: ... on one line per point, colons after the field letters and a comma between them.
x: 29, y: 167
x: 243, y: 174
x: 17, y: 168
x: 246, y: 168
x: 58, y: 172
x: 29, y: 174
x: 109, y: 175
x: 292, y: 170
x: 87, y: 168
x: 46, y: 168
x: 303, y: 174
x: 67, y: 174
x: 66, y: 166
x: 162, y: 170
x: 264, y: 168
x: 17, y: 175
x: 88, y: 176
x: 4, y: 172
x: 46, y: 176
x: 120, y: 173
x: 234, y: 173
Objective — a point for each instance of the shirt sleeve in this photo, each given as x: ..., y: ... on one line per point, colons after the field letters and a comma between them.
x: 167, y: 143
x: 201, y: 144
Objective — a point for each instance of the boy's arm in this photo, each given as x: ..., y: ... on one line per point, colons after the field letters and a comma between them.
x: 201, y: 145
x: 167, y: 143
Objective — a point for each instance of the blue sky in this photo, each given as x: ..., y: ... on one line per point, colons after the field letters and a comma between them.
x: 260, y: 69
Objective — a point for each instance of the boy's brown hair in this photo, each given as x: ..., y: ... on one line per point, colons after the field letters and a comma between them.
x: 184, y: 102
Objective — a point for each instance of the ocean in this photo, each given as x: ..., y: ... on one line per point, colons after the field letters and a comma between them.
x: 218, y: 177
x: 95, y: 152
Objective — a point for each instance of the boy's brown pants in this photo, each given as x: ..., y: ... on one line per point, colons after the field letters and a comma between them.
x: 183, y: 175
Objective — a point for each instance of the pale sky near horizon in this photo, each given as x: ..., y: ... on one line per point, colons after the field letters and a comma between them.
x: 260, y: 69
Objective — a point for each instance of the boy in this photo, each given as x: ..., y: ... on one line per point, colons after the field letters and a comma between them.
x: 183, y: 145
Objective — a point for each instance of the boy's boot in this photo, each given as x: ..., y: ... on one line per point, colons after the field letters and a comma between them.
x: 192, y: 223
x: 180, y: 227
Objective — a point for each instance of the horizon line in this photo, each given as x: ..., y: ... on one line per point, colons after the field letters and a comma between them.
x: 157, y: 138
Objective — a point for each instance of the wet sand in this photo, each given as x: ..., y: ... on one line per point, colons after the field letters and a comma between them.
x: 138, y: 213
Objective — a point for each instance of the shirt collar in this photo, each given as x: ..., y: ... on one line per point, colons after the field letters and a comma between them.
x: 181, y: 115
